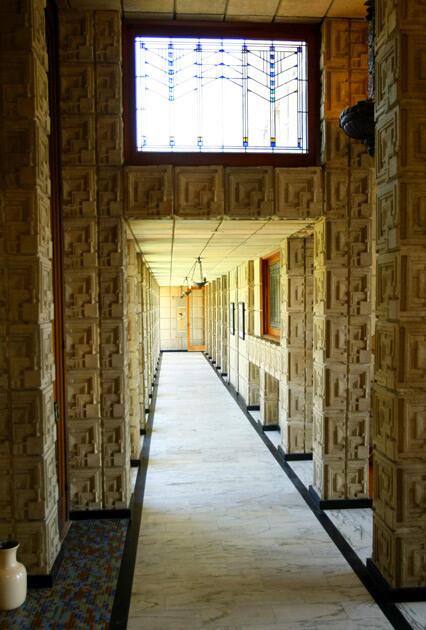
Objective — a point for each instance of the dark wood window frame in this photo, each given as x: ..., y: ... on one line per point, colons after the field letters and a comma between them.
x: 308, y: 32
x: 267, y: 329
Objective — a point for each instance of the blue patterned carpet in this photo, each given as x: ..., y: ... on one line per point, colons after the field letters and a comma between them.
x: 84, y: 589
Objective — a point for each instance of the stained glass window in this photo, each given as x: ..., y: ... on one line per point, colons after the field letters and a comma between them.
x: 274, y: 296
x: 221, y: 95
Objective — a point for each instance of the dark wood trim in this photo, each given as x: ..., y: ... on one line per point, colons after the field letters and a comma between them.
x: 51, y: 14
x: 47, y: 581
x: 339, y: 504
x: 87, y: 515
x: 267, y: 330
x: 402, y: 594
x: 308, y: 32
x: 271, y: 427
x: 295, y: 457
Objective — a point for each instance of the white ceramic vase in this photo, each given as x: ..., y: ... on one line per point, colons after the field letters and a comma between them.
x: 13, y: 577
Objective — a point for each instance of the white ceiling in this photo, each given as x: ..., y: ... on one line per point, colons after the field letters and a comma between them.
x: 226, y: 10
x: 170, y: 247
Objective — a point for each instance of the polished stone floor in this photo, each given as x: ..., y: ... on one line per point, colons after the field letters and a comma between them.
x: 226, y: 541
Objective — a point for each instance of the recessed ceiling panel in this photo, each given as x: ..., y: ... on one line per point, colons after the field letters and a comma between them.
x: 171, y: 247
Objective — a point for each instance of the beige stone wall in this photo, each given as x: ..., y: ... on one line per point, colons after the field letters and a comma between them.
x: 28, y: 486
x: 150, y: 292
x: 173, y: 319
x: 296, y: 344
x: 342, y: 277
x: 400, y: 376
x: 134, y: 348
x: 97, y: 387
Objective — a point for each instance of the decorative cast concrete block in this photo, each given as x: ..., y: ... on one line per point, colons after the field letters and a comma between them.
x: 76, y: 36
x: 6, y: 494
x: 335, y: 145
x: 108, y: 89
x: 199, y: 191
x: 108, y: 37
x: 336, y: 43
x: 33, y: 421
x: 250, y: 192
x: 113, y: 394
x: 110, y: 195
x: 111, y: 243
x: 116, y: 488
x: 78, y: 140
x: 149, y: 192
x: 82, y: 394
x: 29, y: 295
x: 85, y: 489
x: 80, y: 243
x: 112, y: 294
x: 109, y: 140
x: 336, y: 193
x: 298, y: 192
x: 84, y: 438
x: 336, y: 92
x: 78, y: 191
x: 27, y: 224
x: 81, y: 293
x: 361, y: 193
x: 386, y: 354
x: 81, y: 345
x: 115, y: 447
x: 387, y: 145
x: 77, y: 89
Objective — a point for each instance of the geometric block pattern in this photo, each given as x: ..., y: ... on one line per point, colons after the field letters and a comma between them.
x: 399, y: 390
x: 296, y: 382
x: 342, y: 277
x: 28, y: 486
x: 94, y: 258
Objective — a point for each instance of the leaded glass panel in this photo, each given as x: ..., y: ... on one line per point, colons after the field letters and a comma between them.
x: 221, y: 95
x: 274, y: 296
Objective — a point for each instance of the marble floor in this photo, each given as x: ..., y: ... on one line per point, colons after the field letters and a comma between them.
x: 226, y: 541
x: 356, y: 526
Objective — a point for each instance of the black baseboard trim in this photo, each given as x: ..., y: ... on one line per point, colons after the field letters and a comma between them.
x: 87, y: 515
x: 392, y: 613
x: 135, y: 463
x: 403, y: 594
x: 271, y: 427
x: 218, y: 368
x: 253, y: 407
x: 224, y: 374
x: 339, y: 504
x: 295, y: 457
x: 121, y: 604
x: 163, y: 351
x: 47, y: 581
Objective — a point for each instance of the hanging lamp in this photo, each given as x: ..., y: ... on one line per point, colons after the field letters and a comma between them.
x: 202, y: 281
x: 187, y: 290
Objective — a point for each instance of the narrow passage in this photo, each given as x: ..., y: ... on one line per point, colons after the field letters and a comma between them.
x: 226, y: 541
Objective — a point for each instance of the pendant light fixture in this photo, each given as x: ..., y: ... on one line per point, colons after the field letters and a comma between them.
x: 187, y: 290
x: 202, y: 280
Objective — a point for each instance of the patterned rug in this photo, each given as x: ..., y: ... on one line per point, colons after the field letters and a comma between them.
x: 84, y: 589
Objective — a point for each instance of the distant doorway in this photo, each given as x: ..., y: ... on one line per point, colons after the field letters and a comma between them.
x: 195, y: 320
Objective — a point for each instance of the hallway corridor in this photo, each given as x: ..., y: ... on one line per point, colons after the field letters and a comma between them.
x: 226, y: 541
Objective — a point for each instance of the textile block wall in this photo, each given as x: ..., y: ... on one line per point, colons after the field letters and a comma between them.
x: 342, y: 276
x: 28, y: 486
x: 400, y: 378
